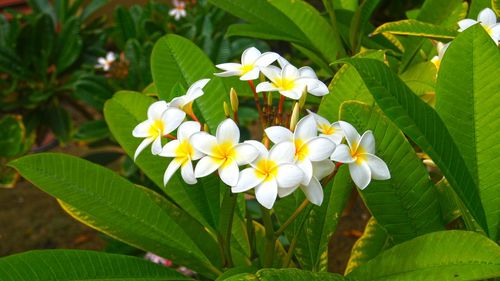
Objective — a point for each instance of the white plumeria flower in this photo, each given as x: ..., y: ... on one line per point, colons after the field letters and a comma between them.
x: 488, y: 20
x: 179, y: 10
x: 223, y: 152
x: 291, y: 82
x: 105, y: 62
x: 441, y: 48
x: 185, y: 102
x: 270, y: 171
x: 251, y: 62
x: 332, y: 131
x: 359, y: 155
x: 183, y: 152
x: 162, y: 120
x: 308, y: 146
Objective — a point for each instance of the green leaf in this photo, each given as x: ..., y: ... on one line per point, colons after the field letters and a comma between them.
x: 113, y: 205
x: 373, y: 242
x: 423, y: 126
x: 438, y: 11
x: 69, y: 44
x: 92, y: 131
x: 178, y: 60
x: 286, y: 274
x: 13, y: 132
x: 93, y: 90
x: 405, y: 205
x: 420, y: 78
x: 125, y: 26
x: 66, y: 265
x: 467, y: 100
x: 416, y: 28
x: 60, y: 123
x: 495, y: 4
x: 444, y: 255
x: 477, y: 6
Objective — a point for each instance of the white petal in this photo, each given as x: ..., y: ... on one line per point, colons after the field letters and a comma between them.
x: 198, y: 84
x: 320, y: 148
x: 156, y: 147
x: 110, y: 57
x: 266, y: 193
x: 282, y: 61
x: 379, y: 169
x: 360, y: 174
x: 229, y: 173
x: 142, y: 145
x: 170, y: 148
x: 188, y: 173
x: 271, y: 72
x: 342, y: 154
x: 187, y: 129
x: 102, y: 61
x: 266, y: 87
x: 466, y: 23
x: 313, y: 191
x: 172, y: 167
x: 317, y: 88
x: 229, y: 73
x: 245, y: 153
x: 206, y: 166
x: 260, y: 147
x: 320, y: 120
x: 292, y: 94
x: 308, y: 72
x: 178, y: 102
x: 192, y: 95
x: 251, y: 75
x: 351, y: 135
x: 249, y: 56
x: 284, y: 192
x: 307, y: 169
x: 282, y: 152
x: 321, y: 169
x: 290, y: 72
x: 278, y: 134
x: 156, y: 110
x: 266, y: 59
x: 197, y: 154
x: 228, y: 131
x: 495, y: 32
x: 230, y: 66
x: 367, y: 142
x: 203, y: 142
x: 289, y: 175
x: 142, y: 130
x: 487, y: 17
x: 335, y: 137
x: 306, y: 129
x: 246, y: 181
x: 172, y: 118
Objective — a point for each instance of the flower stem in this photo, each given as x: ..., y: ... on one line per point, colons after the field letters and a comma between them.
x: 169, y: 136
x: 270, y: 241
x: 292, y: 218
x: 280, y: 108
x: 257, y: 102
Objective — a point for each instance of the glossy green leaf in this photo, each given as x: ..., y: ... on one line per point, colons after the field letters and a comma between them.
x: 373, y: 242
x: 66, y: 265
x: 286, y: 274
x: 477, y: 6
x: 125, y: 26
x: 416, y: 28
x: 467, y: 100
x: 69, y: 44
x: 178, y: 60
x: 444, y: 255
x: 93, y: 90
x: 423, y: 126
x: 118, y: 208
x: 92, y: 131
x: 438, y: 11
x: 60, y: 122
x: 495, y: 4
x: 405, y: 205
x: 420, y: 78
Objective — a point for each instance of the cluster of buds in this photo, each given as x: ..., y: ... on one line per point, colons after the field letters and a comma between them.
x: 305, y: 152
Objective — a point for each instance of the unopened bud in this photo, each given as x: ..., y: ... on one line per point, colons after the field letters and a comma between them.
x: 302, y: 100
x: 295, y: 116
x: 226, y: 110
x: 233, y: 96
x: 270, y: 99
x: 205, y: 128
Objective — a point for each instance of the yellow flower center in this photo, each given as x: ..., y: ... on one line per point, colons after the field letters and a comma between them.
x: 301, y: 150
x: 224, y: 153
x: 327, y: 129
x: 266, y: 169
x: 436, y: 61
x: 487, y: 28
x: 246, y: 68
x: 156, y: 129
x: 284, y: 84
x: 358, y: 153
x: 185, y: 151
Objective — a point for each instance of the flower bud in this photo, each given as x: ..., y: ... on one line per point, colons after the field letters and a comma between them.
x: 227, y: 113
x: 295, y: 116
x: 233, y: 96
x: 269, y: 99
x: 302, y: 100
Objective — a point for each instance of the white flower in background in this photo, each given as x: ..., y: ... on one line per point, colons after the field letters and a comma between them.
x: 223, y: 152
x: 162, y: 120
x: 183, y: 152
x: 308, y: 146
x: 185, y: 102
x: 251, y: 62
x: 179, y: 10
x: 271, y: 170
x: 291, y: 82
x: 157, y: 259
x: 488, y: 20
x: 106, y: 62
x: 359, y: 155
x: 441, y: 49
x: 332, y: 131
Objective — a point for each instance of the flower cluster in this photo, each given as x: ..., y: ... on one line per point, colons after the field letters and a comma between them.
x: 179, y: 10
x: 488, y: 21
x: 304, y: 154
